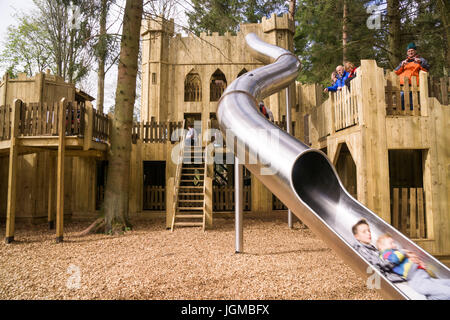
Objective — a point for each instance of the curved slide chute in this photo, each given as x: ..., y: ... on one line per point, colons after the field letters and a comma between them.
x: 301, y: 177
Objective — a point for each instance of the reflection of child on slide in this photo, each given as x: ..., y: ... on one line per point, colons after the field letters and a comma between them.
x: 413, y: 271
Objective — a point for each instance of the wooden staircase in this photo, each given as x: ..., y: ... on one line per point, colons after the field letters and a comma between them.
x: 190, y: 206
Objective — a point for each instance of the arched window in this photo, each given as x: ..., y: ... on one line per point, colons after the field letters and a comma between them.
x: 192, y: 87
x: 217, y: 85
x: 243, y: 71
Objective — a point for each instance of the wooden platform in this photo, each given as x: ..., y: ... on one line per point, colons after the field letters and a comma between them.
x: 66, y: 129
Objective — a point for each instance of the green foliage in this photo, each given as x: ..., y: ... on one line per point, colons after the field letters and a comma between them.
x: 425, y: 27
x: 226, y: 15
x: 54, y: 37
x: 24, y: 49
x: 318, y: 37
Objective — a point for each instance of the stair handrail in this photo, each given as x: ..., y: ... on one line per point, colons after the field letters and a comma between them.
x: 177, y: 177
x: 205, y: 172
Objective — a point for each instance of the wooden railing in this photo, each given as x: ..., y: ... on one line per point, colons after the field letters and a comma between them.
x: 223, y: 198
x: 408, y: 211
x: 283, y: 126
x: 323, y: 118
x: 5, y: 122
x: 205, y: 171
x: 154, y: 198
x: 440, y: 89
x: 402, y: 100
x: 154, y: 132
x: 346, y: 107
x: 42, y: 120
x: 277, y: 204
x: 100, y: 131
x: 177, y: 179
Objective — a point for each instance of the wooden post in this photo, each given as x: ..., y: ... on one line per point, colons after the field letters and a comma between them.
x: 12, y: 174
x: 5, y: 90
x: 51, y: 184
x: 424, y: 94
x: 209, y: 175
x: 169, y: 202
x: 88, y: 126
x: 60, y: 171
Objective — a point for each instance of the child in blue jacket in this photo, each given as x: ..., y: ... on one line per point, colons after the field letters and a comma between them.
x: 416, y: 274
x: 342, y: 75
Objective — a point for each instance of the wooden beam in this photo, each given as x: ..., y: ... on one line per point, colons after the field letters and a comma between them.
x: 88, y: 126
x: 60, y: 171
x: 12, y: 174
x: 86, y: 154
x: 51, y: 184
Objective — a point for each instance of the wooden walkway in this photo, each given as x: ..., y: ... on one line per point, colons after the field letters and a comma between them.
x: 65, y: 129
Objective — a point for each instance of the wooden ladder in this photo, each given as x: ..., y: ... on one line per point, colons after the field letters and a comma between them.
x: 190, y: 207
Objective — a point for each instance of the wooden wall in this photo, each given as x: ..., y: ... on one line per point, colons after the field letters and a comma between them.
x: 375, y: 133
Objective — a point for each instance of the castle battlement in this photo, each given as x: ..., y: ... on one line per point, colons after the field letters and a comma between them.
x: 158, y: 25
x: 278, y: 23
x: 268, y: 24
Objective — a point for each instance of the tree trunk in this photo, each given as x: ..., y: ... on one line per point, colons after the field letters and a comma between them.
x: 394, y: 40
x: 117, y: 186
x: 292, y: 9
x: 344, y: 30
x: 102, y: 57
x: 444, y: 8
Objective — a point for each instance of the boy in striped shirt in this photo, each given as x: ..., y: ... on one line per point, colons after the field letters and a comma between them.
x: 416, y: 274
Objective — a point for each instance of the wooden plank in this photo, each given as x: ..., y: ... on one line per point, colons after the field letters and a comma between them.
x: 404, y: 212
x: 444, y: 90
x: 412, y: 213
x: 51, y: 180
x: 60, y: 172
x: 76, y: 110
x: 2, y: 121
x: 12, y: 174
x: 395, y: 208
x: 147, y: 133
x: 420, y: 212
x: 406, y: 97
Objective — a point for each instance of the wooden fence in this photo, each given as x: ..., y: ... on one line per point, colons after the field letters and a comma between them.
x: 154, y: 132
x: 322, y: 116
x: 346, y: 107
x: 154, y: 198
x: 5, y: 122
x: 408, y: 211
x: 277, y: 204
x: 440, y: 89
x: 42, y: 120
x: 223, y: 198
x: 283, y: 126
x: 402, y: 100
x: 100, y: 131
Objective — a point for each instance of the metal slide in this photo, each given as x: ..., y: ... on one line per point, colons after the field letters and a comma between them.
x: 301, y: 177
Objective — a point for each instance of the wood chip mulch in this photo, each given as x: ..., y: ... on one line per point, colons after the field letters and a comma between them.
x: 150, y: 262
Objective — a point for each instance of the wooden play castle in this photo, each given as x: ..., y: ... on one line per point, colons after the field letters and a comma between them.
x: 392, y: 156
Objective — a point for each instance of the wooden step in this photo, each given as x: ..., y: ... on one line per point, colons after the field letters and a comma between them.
x: 190, y: 194
x: 191, y: 181
x: 192, y: 174
x: 188, y: 224
x: 190, y: 200
x: 190, y: 208
x: 189, y: 216
x: 191, y: 187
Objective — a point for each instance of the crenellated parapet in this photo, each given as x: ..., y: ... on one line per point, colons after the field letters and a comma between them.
x: 158, y: 25
x: 278, y: 23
